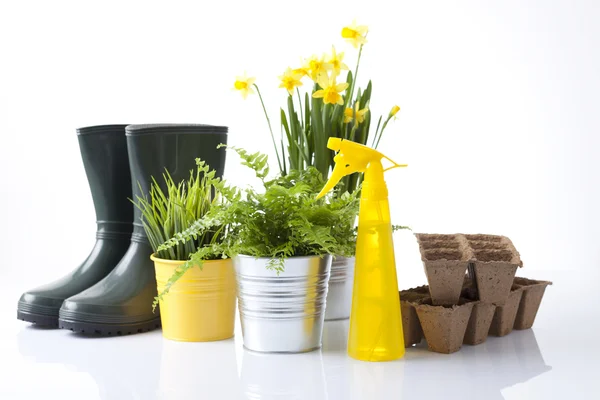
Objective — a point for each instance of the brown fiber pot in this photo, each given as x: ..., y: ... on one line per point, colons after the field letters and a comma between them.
x: 533, y: 291
x: 481, y: 317
x: 445, y: 259
x: 494, y: 263
x: 479, y: 323
x: 444, y: 327
x: 411, y: 328
x: 505, y: 315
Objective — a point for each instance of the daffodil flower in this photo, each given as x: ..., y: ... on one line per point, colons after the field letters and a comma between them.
x: 330, y: 90
x: 360, y: 114
x: 336, y: 61
x: 316, y: 67
x: 244, y: 85
x: 394, y: 111
x: 301, y: 71
x: 355, y: 34
x: 290, y: 80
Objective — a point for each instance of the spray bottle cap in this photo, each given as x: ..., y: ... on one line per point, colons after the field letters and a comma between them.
x: 351, y: 157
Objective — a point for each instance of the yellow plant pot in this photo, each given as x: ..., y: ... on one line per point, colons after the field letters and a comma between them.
x: 200, y: 306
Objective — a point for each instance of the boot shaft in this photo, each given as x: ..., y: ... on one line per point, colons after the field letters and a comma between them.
x: 104, y: 153
x: 174, y: 147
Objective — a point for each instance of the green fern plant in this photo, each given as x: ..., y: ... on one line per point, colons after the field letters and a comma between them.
x: 283, y: 219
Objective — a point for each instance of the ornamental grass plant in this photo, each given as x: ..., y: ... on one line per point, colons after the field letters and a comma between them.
x: 170, y: 211
x: 165, y: 213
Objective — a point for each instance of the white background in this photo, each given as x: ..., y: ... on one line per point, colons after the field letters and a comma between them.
x: 499, y: 122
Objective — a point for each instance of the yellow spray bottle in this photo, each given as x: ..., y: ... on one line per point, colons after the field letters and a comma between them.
x: 375, y: 321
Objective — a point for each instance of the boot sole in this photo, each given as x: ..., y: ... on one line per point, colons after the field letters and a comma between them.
x: 95, y: 329
x: 38, y: 319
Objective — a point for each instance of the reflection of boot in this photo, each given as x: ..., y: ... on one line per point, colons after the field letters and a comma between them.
x: 122, y: 368
x: 122, y: 302
x: 104, y: 153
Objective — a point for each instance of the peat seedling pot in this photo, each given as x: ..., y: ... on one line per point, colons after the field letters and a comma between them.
x: 411, y: 327
x: 444, y: 327
x: 505, y: 315
x: 533, y: 292
x: 480, y: 320
x: 282, y: 313
x: 495, y: 262
x: 445, y: 258
x: 200, y: 306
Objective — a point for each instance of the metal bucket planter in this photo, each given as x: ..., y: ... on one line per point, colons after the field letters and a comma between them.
x: 339, y: 296
x: 200, y: 306
x: 282, y: 313
x: 270, y: 377
x: 183, y: 376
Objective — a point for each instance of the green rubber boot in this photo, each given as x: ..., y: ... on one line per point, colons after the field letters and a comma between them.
x: 104, y: 153
x: 121, y: 303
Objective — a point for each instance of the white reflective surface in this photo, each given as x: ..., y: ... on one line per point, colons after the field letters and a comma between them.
x: 555, y: 359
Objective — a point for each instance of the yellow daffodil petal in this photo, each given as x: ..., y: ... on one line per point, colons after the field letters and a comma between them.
x: 360, y: 115
x: 348, y: 33
x: 301, y: 72
x: 319, y: 94
x: 348, y: 115
x: 341, y: 86
x: 323, y: 81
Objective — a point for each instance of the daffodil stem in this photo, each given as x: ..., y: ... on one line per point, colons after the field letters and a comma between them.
x: 355, y: 75
x: 270, y: 129
x: 376, y: 132
x: 381, y: 132
x: 353, y: 132
x: 301, y: 112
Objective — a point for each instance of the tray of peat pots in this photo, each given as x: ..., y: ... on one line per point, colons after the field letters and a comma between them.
x: 494, y: 264
x: 444, y: 327
x: 446, y: 259
x: 411, y: 327
x: 282, y: 241
x: 196, y: 304
x: 533, y: 292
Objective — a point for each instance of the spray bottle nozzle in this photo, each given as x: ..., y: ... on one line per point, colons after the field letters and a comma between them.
x: 351, y: 157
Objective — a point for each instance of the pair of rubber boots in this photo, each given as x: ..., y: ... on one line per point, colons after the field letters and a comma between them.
x: 111, y: 292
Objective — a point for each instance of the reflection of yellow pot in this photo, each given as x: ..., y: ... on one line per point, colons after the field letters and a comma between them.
x: 200, y: 306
